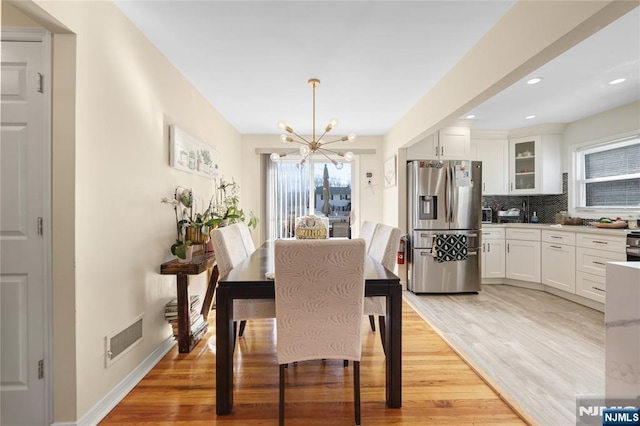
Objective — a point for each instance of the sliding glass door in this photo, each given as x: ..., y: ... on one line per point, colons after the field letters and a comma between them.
x: 288, y: 184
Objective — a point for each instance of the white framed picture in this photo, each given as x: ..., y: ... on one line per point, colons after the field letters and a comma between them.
x: 390, y: 172
x: 190, y: 154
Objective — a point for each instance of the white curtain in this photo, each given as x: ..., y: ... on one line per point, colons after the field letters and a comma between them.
x: 288, y: 196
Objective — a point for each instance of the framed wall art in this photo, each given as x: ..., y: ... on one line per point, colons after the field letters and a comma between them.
x: 190, y: 154
x: 390, y: 172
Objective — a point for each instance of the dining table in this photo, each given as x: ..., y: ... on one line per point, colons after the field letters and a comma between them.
x: 248, y: 280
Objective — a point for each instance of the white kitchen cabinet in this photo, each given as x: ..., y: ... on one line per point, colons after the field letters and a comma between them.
x: 593, y: 251
x: 493, y: 253
x: 535, y: 165
x: 594, y: 261
x: 494, y: 154
x: 559, y: 266
x: 523, y: 254
x: 454, y: 143
x: 591, y: 286
x: 449, y: 143
x: 559, y: 260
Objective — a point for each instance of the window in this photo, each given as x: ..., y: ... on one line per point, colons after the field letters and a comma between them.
x: 288, y: 194
x: 608, y: 176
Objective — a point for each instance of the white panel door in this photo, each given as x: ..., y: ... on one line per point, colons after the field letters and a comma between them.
x: 22, y: 201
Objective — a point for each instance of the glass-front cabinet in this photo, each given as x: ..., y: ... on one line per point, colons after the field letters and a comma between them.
x: 535, y: 164
x: 524, y: 165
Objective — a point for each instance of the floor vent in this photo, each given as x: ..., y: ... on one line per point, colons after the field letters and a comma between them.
x: 122, y: 341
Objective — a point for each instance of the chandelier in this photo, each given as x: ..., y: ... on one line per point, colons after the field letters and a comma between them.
x: 314, y: 146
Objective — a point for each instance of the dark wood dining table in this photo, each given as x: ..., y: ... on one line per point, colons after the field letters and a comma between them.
x: 248, y: 281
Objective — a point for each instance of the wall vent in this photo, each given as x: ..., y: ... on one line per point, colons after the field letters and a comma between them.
x: 121, y: 341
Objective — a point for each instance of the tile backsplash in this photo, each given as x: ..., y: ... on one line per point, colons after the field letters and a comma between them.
x: 545, y: 206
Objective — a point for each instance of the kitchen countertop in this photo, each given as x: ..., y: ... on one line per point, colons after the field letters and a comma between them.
x: 567, y: 228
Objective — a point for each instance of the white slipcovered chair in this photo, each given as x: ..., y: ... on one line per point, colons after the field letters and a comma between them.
x: 229, y: 248
x: 319, y: 289
x: 384, y: 247
x: 367, y: 230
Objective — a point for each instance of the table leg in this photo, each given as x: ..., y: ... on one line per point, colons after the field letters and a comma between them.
x: 393, y: 341
x: 211, y: 289
x: 224, y: 352
x: 184, y: 314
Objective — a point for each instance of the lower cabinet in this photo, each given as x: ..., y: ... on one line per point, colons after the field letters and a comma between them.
x: 493, y: 249
x: 559, y: 259
x: 574, y: 262
x: 523, y: 260
x: 493, y: 261
x: 591, y: 286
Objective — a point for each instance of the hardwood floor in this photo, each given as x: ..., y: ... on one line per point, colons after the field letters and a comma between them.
x: 539, y: 350
x: 438, y: 387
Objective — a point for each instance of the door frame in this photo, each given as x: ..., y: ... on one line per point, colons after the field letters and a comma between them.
x: 23, y: 34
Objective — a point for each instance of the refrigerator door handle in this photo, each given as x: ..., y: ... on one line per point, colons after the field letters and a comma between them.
x: 446, y: 195
x: 450, y: 189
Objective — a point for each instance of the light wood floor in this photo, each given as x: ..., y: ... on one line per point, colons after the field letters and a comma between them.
x: 438, y: 387
x: 539, y: 349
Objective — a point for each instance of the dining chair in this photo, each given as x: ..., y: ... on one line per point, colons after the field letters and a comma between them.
x: 229, y: 248
x: 319, y: 293
x: 384, y: 247
x: 367, y: 230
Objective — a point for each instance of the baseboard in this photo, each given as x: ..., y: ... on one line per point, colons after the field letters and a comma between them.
x: 117, y: 394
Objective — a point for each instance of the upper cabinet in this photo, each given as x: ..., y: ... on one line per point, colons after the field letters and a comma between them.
x: 449, y: 143
x: 535, y: 164
x: 493, y: 150
x: 454, y: 143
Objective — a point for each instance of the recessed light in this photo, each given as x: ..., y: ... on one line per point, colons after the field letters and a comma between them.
x: 535, y: 80
x: 470, y: 116
x: 529, y: 117
x: 618, y: 81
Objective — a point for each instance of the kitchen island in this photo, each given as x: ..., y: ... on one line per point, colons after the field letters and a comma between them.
x: 622, y: 330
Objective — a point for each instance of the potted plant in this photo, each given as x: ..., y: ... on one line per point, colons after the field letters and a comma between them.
x: 182, y: 248
x: 227, y: 205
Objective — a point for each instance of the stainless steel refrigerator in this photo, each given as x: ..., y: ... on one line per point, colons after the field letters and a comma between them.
x: 444, y: 215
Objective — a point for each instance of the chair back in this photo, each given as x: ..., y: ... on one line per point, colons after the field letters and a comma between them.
x: 367, y: 230
x: 384, y: 245
x: 228, y: 247
x: 247, y: 240
x: 319, y: 291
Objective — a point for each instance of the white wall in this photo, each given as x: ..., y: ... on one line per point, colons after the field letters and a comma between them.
x: 607, y: 125
x: 126, y: 95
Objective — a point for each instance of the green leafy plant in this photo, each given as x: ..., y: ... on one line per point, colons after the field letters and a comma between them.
x: 225, y: 204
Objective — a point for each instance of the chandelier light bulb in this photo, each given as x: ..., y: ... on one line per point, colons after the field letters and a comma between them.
x: 304, y: 150
x: 282, y: 125
x: 348, y: 156
x: 352, y: 136
x: 283, y: 138
x: 339, y: 166
x: 275, y: 157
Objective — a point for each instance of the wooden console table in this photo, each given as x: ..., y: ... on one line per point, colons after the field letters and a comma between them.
x: 199, y: 264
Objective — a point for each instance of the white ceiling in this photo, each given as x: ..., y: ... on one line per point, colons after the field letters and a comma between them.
x: 375, y: 60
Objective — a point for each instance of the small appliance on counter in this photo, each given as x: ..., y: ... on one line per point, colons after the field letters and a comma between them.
x: 509, y: 216
x: 487, y: 215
